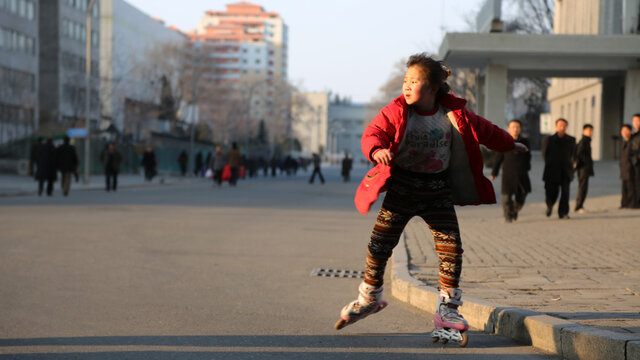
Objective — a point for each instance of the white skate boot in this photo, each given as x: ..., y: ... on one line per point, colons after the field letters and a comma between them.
x: 369, y: 302
x: 449, y: 324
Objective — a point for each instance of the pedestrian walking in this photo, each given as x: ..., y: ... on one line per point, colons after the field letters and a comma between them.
x: 67, y: 162
x: 274, y: 165
x: 427, y: 149
x: 234, y: 160
x: 198, y: 164
x: 316, y: 169
x: 149, y: 163
x: 111, y: 160
x: 584, y: 166
x: 558, y: 153
x: 46, y: 163
x: 33, y: 157
x: 635, y: 157
x: 627, y: 175
x: 347, y: 164
x: 216, y: 164
x: 515, y: 174
x: 183, y: 158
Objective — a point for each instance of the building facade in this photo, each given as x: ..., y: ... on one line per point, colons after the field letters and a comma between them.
x: 241, y: 54
x: 310, y: 125
x: 19, y: 49
x: 62, y: 90
x: 346, y: 123
x: 333, y: 128
x: 580, y: 100
x: 261, y: 40
x: 134, y: 52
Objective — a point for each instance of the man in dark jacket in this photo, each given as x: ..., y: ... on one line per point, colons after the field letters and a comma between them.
x: 347, y: 164
x: 111, y: 160
x: 46, y: 162
x: 316, y: 169
x: 149, y: 163
x: 198, y: 164
x: 558, y: 152
x: 515, y: 175
x: 626, y: 170
x: 182, y: 162
x: 635, y: 157
x: 584, y: 166
x: 67, y: 161
x: 33, y: 155
x: 234, y: 160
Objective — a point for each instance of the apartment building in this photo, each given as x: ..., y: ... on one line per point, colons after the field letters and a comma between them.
x: 62, y: 86
x: 18, y: 68
x: 139, y: 55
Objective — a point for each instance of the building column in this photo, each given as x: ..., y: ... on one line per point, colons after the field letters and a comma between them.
x: 495, y: 94
x: 610, y: 119
x: 631, y: 94
x: 480, y: 95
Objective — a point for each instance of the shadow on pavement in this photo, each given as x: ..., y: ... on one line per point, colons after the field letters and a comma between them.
x: 375, y: 346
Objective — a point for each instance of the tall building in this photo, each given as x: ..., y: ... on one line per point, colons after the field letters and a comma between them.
x: 243, y: 51
x: 18, y: 68
x: 580, y: 100
x: 136, y: 54
x: 62, y: 90
x: 250, y: 40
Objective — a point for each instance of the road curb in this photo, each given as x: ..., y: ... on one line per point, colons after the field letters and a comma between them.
x: 93, y: 188
x: 549, y: 334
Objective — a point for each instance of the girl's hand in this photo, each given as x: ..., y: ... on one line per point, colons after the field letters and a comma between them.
x: 383, y: 156
x: 520, y: 147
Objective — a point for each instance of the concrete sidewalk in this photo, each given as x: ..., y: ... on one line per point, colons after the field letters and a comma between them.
x: 569, y: 287
x: 18, y: 185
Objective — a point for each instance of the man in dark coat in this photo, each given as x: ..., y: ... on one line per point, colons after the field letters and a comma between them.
x: 584, y: 166
x: 67, y: 161
x: 558, y: 152
x: 316, y: 169
x: 515, y: 175
x: 33, y: 154
x: 111, y: 160
x: 149, y: 163
x: 628, y: 200
x: 635, y: 157
x: 46, y: 162
x: 198, y: 164
x: 182, y: 162
x: 347, y: 164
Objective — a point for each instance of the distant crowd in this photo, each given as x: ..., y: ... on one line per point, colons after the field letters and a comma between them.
x: 47, y: 160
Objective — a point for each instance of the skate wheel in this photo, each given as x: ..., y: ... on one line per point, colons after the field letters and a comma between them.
x: 434, y: 339
x: 340, y: 324
x: 444, y: 341
x: 465, y: 339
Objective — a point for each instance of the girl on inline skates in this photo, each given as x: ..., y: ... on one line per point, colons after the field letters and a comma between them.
x: 427, y: 149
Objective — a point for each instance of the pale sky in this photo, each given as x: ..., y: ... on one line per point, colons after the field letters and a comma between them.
x: 346, y: 46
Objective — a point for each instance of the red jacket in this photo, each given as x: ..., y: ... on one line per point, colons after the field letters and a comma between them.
x: 468, y: 184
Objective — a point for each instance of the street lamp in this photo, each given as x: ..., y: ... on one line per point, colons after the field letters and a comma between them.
x: 87, y: 140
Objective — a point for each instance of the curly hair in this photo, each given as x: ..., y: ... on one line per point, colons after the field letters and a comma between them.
x: 435, y: 71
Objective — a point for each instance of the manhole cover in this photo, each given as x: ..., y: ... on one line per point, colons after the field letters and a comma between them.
x: 322, y: 272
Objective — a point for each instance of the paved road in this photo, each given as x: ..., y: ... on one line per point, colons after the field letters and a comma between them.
x: 193, y: 272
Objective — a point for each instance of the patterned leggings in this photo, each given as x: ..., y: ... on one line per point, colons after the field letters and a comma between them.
x: 425, y: 195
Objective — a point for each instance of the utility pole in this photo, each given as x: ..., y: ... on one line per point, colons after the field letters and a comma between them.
x: 194, y: 81
x: 87, y: 139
